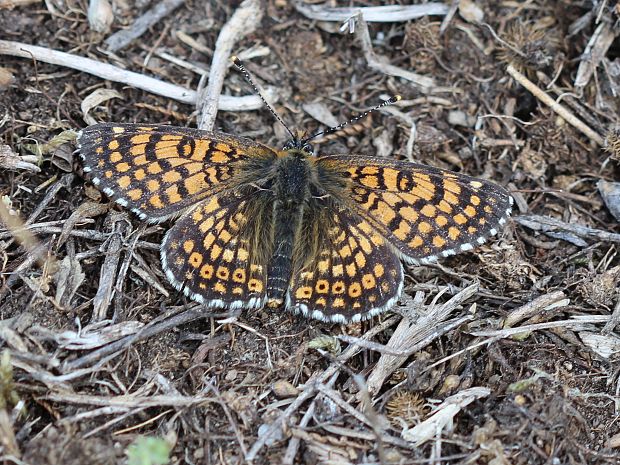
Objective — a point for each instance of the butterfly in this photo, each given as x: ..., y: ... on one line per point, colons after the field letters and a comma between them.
x: 258, y: 226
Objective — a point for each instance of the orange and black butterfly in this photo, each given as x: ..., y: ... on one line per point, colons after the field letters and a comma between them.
x: 320, y: 235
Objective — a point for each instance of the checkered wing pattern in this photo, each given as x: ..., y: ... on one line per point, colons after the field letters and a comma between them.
x: 158, y: 171
x: 213, y: 252
x: 352, y: 274
x: 424, y: 212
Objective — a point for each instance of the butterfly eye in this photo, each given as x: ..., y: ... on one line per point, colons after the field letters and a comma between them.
x: 307, y: 148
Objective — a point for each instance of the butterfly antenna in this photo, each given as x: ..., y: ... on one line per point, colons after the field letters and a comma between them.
x: 237, y: 62
x: 390, y: 101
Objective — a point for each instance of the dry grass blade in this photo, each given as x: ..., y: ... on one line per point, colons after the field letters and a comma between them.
x: 13, y: 224
x: 605, y: 346
x: 615, y: 318
x: 50, y: 195
x: 132, y: 401
x: 68, y: 279
x: 610, y: 192
x: 144, y: 271
x: 97, y: 335
x: 36, y: 252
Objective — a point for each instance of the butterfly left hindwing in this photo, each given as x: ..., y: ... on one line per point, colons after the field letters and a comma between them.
x: 215, y: 253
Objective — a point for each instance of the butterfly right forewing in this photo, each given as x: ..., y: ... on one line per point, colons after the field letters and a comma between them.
x: 425, y: 212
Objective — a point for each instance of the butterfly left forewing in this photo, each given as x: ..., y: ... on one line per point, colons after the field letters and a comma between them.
x: 157, y: 171
x: 424, y: 212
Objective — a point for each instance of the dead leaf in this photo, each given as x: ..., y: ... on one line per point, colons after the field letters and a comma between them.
x: 471, y: 12
x: 100, y: 15
x: 94, y: 99
x: 68, y: 278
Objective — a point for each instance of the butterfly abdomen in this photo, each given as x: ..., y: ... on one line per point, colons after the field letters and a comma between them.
x: 291, y: 192
x: 287, y: 221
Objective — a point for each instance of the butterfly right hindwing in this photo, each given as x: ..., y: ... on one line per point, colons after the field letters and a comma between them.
x: 352, y: 273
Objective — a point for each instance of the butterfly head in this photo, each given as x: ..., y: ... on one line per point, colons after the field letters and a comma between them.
x: 297, y: 143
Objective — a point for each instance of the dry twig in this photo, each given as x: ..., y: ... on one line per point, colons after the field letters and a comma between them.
x: 555, y: 106
x: 549, y: 225
x: 123, y: 38
x: 243, y: 22
x: 115, y: 74
x: 543, y: 303
x: 576, y: 324
x: 377, y: 14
